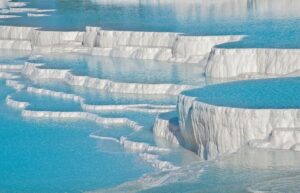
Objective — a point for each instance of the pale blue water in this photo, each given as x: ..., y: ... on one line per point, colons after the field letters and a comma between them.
x: 99, y: 97
x: 44, y: 103
x: 44, y: 155
x: 249, y: 170
x: 125, y: 70
x: 277, y: 93
x: 268, y: 23
x: 47, y: 156
x: 15, y: 57
x: 40, y: 155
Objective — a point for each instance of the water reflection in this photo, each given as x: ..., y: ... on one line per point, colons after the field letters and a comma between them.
x: 126, y: 70
x: 203, y: 9
x: 249, y: 170
x: 268, y: 23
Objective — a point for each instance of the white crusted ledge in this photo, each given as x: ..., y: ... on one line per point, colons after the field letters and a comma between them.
x: 214, y: 130
x: 171, y: 47
x: 166, y: 127
x: 249, y: 62
x: 32, y: 71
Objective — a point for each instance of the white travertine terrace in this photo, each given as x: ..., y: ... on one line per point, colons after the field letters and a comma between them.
x: 156, y: 163
x: 145, y: 152
x: 34, y: 72
x: 247, y: 62
x: 66, y: 115
x: 143, y: 149
x: 17, y: 4
x: 166, y: 127
x: 16, y: 33
x: 140, y: 147
x: 152, y: 45
x: 8, y: 16
x: 212, y: 130
x: 161, y: 46
x: 208, y: 130
x: 15, y: 84
x: 280, y: 138
x: 21, y: 9
x: 61, y: 95
x: 15, y: 44
x: 7, y: 75
x: 37, y: 15
x: 70, y: 115
x: 11, y: 67
x: 81, y: 115
x: 171, y: 47
x: 147, y: 108
x: 16, y: 104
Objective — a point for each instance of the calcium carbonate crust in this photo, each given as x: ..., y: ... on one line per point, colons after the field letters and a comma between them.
x: 162, y: 46
x: 212, y: 131
x: 249, y: 63
x: 208, y: 130
x: 146, y: 152
x: 238, y: 63
x: 166, y: 127
x: 33, y: 71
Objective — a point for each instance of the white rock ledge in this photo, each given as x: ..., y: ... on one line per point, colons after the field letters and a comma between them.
x: 34, y: 72
x: 147, y: 108
x: 15, y: 84
x: 280, y: 138
x: 82, y: 115
x: 172, y: 47
x: 166, y: 126
x: 16, y: 104
x: 7, y: 75
x: 11, y: 67
x: 156, y: 163
x: 70, y: 115
x: 141, y: 147
x: 251, y: 62
x: 213, y: 131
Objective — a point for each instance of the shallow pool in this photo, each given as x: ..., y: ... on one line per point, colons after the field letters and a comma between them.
x: 268, y: 23
x: 125, y: 70
x: 110, y: 147
x: 49, y: 156
x: 55, y: 152
x: 277, y: 93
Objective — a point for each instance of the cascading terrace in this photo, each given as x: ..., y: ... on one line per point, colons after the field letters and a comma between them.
x: 170, y: 47
x: 146, y: 151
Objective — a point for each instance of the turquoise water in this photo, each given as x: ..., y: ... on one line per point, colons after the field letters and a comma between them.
x: 125, y: 70
x: 60, y: 155
x: 249, y: 171
x: 268, y: 23
x: 47, y: 156
x: 98, y: 97
x: 277, y: 93
x: 15, y: 57
x: 44, y: 103
x: 44, y: 155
